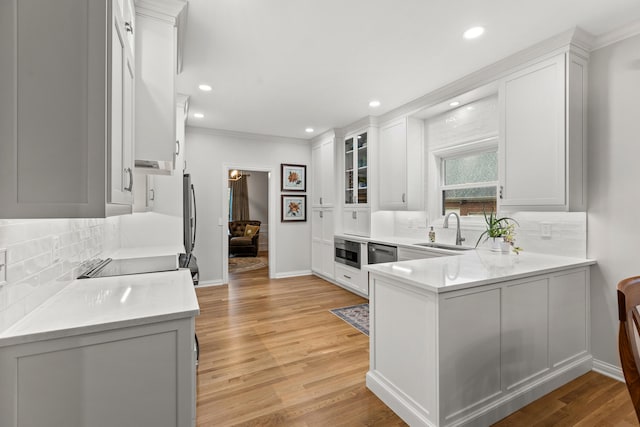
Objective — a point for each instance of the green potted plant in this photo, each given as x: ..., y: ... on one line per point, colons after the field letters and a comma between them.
x: 501, y: 231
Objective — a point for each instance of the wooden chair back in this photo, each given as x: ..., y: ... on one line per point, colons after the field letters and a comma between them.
x: 628, y: 300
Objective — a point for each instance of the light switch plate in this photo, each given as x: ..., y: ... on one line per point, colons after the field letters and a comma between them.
x: 545, y: 230
x: 3, y: 267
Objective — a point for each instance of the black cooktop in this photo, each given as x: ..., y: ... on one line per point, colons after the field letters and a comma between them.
x: 123, y: 267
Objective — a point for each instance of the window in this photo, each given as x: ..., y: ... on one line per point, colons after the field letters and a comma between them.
x: 469, y: 180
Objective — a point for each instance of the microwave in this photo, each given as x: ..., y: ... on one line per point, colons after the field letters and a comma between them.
x: 347, y: 252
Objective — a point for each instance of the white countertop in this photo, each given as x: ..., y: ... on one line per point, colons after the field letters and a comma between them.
x: 472, y: 268
x: 407, y: 242
x: 92, y: 305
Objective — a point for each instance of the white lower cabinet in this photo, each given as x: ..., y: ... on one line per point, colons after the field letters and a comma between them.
x: 352, y: 278
x: 322, y: 256
x: 473, y: 356
x: 135, y: 376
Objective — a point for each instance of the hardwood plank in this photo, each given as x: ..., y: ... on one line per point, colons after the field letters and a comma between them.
x: 271, y: 354
x: 590, y: 400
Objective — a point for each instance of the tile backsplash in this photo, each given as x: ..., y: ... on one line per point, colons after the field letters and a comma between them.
x: 567, y: 231
x: 43, y: 256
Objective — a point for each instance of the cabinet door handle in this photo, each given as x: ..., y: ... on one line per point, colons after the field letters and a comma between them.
x: 177, y: 147
x: 320, y: 200
x: 185, y: 166
x: 152, y: 193
x: 501, y: 190
x: 320, y: 214
x: 128, y: 27
x: 403, y: 198
x: 354, y: 215
x: 347, y: 277
x: 130, y: 187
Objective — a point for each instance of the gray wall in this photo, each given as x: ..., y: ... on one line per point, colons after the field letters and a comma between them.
x: 209, y: 153
x: 614, y: 174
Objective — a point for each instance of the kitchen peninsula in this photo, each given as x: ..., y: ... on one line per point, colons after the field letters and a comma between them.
x: 104, y: 352
x: 469, y: 339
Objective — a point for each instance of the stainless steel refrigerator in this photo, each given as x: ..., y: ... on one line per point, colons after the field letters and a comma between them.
x: 189, y: 225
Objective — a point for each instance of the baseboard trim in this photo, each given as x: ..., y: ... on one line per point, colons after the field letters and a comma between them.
x: 609, y: 370
x: 487, y: 414
x: 292, y: 274
x: 208, y: 283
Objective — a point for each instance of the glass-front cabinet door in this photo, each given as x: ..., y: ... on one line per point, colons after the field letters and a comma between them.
x: 356, y: 170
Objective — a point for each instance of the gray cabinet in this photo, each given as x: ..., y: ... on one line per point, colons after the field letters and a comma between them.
x: 66, y: 124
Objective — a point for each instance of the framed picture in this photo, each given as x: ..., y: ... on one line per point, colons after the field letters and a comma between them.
x: 294, y: 207
x: 294, y: 177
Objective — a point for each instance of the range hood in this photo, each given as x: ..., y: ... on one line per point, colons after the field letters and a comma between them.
x: 154, y: 167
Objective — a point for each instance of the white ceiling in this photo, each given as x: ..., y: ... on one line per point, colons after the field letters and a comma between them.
x: 279, y: 66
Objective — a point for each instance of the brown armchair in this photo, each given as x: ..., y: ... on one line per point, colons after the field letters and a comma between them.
x: 239, y: 243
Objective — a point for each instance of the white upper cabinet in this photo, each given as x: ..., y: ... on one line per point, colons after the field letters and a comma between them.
x: 400, y: 166
x: 542, y: 145
x: 355, y: 150
x: 356, y: 221
x: 66, y: 122
x: 322, y: 163
x: 156, y: 42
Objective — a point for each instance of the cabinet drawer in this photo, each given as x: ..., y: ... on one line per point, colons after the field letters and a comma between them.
x: 352, y: 278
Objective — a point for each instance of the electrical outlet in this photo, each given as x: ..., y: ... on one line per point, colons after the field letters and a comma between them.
x: 545, y: 230
x: 3, y: 266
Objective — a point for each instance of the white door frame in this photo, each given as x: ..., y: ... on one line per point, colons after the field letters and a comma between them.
x: 273, y: 188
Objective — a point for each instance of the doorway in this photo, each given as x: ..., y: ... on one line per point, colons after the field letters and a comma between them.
x: 249, y: 217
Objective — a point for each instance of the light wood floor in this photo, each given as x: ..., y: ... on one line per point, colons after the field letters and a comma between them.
x: 271, y: 354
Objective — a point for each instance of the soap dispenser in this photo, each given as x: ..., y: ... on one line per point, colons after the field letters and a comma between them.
x: 432, y: 235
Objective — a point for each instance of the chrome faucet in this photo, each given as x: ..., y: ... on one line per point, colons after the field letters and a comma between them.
x: 459, y: 238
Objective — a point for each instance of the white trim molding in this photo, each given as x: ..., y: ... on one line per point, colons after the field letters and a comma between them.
x: 210, y: 283
x: 607, y: 369
x: 298, y: 273
x: 606, y: 39
x: 246, y: 135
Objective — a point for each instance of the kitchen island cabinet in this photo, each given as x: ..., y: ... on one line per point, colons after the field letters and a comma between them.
x: 469, y: 339
x: 113, y: 351
x: 67, y: 110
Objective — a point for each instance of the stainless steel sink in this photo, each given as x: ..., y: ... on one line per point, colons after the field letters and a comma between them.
x: 445, y: 246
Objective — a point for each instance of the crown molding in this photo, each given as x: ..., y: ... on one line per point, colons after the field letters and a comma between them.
x: 365, y: 122
x: 575, y: 39
x: 246, y: 135
x: 622, y: 33
x: 324, y: 136
x: 169, y: 11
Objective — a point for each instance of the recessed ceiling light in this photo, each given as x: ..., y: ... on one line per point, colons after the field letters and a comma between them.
x: 454, y: 103
x: 308, y: 130
x: 205, y: 88
x: 198, y: 115
x: 375, y: 103
x: 473, y: 32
